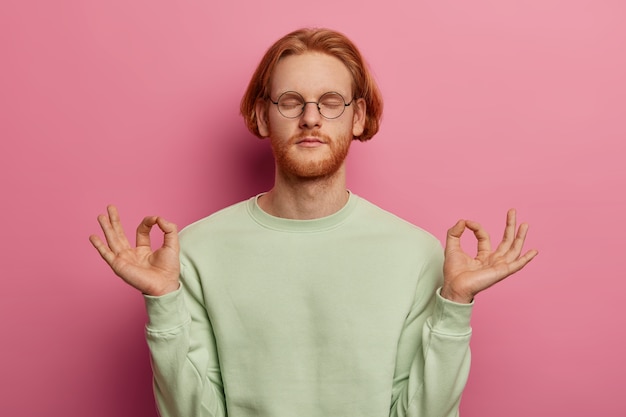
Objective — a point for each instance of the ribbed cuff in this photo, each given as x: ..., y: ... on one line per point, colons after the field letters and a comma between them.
x: 450, y: 317
x: 166, y: 312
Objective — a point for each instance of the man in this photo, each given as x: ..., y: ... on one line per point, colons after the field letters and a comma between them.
x: 307, y: 300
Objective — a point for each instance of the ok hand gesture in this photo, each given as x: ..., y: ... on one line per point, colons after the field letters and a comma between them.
x: 464, y: 276
x: 152, y: 273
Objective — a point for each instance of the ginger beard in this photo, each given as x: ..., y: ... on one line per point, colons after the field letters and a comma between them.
x: 297, y: 163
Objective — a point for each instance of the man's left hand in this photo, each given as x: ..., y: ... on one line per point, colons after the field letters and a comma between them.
x: 464, y: 276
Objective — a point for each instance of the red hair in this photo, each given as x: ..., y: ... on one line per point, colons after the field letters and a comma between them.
x: 315, y: 40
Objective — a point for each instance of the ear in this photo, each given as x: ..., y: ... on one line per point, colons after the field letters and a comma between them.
x: 358, y: 120
x: 262, y: 123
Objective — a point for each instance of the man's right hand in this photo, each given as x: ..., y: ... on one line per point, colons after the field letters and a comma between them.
x: 153, y: 273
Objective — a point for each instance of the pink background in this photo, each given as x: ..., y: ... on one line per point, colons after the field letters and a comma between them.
x: 489, y: 105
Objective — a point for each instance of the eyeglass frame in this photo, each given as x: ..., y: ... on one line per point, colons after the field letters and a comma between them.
x: 317, y: 104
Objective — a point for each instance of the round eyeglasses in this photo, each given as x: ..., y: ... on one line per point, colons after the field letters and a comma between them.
x: 331, y: 105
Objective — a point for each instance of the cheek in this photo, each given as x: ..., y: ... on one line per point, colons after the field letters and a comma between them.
x: 280, y: 128
x: 348, y: 127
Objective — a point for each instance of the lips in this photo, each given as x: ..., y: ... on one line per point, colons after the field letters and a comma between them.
x: 310, y: 139
x: 310, y: 142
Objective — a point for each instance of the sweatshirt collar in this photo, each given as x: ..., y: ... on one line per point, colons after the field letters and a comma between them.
x: 291, y: 225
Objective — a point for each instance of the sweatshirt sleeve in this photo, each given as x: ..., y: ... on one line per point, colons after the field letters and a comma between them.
x: 433, y: 359
x: 187, y: 377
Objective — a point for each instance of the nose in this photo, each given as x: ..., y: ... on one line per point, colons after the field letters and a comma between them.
x: 311, y: 116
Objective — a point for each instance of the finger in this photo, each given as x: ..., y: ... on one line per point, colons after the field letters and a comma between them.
x: 114, y: 217
x: 520, y: 238
x: 143, y: 231
x: 113, y: 230
x: 509, y: 231
x: 109, y: 232
x: 522, y: 261
x: 102, y: 249
x: 484, y: 241
x: 170, y: 237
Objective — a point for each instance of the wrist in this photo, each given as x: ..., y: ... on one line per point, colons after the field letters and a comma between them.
x: 456, y: 296
x: 165, y: 290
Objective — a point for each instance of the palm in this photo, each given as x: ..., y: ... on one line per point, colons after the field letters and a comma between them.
x: 151, y: 272
x: 146, y: 270
x: 464, y: 276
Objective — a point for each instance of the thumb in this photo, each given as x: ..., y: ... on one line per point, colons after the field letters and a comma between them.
x: 453, y: 237
x: 457, y: 230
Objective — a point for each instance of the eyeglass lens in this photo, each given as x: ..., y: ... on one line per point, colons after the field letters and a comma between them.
x: 291, y: 105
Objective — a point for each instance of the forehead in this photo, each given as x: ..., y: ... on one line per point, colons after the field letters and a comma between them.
x: 311, y: 73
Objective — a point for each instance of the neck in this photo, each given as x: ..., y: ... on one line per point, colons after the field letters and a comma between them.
x: 306, y: 198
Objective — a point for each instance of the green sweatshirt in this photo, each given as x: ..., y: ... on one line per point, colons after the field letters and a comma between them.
x: 333, y: 317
